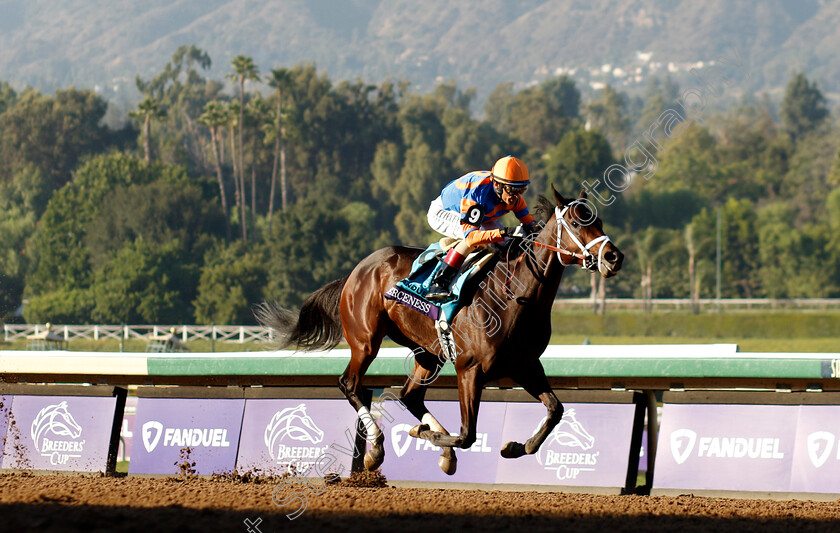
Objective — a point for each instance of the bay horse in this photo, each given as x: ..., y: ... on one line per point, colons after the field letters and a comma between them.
x: 501, y: 333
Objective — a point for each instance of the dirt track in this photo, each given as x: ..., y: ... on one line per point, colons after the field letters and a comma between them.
x: 57, y: 503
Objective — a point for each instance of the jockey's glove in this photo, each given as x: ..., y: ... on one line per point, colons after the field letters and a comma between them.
x: 514, y: 232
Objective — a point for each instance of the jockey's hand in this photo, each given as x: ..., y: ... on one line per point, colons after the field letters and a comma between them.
x: 514, y: 232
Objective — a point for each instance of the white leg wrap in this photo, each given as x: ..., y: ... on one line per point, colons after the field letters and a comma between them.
x: 370, y: 425
x: 432, y: 422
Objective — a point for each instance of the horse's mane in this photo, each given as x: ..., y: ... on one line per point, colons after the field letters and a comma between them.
x: 544, y: 209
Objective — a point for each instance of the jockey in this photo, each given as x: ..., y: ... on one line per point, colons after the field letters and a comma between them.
x: 469, y: 208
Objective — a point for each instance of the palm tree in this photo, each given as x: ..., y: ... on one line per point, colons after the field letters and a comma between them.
x: 214, y: 117
x: 259, y: 112
x: 232, y: 114
x: 279, y: 79
x: 148, y: 109
x: 244, y: 70
x: 691, y: 246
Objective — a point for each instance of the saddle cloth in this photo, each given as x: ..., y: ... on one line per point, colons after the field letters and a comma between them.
x: 412, y: 290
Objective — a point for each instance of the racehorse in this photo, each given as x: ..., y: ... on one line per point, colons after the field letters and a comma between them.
x: 501, y: 333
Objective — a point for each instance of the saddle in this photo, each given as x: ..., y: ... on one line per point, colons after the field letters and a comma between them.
x: 411, y: 291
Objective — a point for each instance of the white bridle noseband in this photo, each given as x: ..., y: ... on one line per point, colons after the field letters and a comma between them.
x: 588, y: 262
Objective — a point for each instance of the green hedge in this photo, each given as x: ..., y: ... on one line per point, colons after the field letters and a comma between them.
x: 724, y: 325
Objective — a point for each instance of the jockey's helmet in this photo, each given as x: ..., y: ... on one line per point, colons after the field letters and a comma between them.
x: 510, y: 171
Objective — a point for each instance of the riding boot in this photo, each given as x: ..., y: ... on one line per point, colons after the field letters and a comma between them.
x: 439, y: 289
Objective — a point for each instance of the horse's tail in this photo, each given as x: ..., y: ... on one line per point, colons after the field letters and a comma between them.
x: 316, y: 327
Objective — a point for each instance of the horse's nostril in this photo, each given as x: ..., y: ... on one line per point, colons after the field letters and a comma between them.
x: 610, y: 257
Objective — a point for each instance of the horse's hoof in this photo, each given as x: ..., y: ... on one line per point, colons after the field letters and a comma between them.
x: 448, y: 463
x: 512, y: 450
x: 418, y: 429
x: 374, y: 458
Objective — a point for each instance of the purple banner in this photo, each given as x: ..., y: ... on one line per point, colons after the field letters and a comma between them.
x: 413, y: 301
x: 277, y: 433
x: 127, y: 429
x: 726, y: 447
x: 590, y: 446
x: 5, y: 408
x: 407, y: 458
x: 69, y: 433
x: 167, y: 427
x: 816, y: 461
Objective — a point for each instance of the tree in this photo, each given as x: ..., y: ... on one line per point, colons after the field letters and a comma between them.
x: 608, y: 114
x: 244, y: 70
x: 279, y: 80
x: 581, y: 155
x: 803, y: 106
x: 144, y: 284
x: 147, y: 110
x: 214, y: 118
x: 232, y: 279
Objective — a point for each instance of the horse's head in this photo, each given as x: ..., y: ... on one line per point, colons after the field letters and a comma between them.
x: 580, y: 232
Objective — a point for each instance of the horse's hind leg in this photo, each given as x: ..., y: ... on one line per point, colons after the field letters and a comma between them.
x: 413, y: 397
x: 533, y: 380
x: 350, y: 383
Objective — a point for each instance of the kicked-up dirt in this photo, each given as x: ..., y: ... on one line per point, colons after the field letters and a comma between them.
x: 47, y: 504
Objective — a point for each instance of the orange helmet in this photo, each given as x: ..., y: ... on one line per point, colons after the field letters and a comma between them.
x: 511, y: 171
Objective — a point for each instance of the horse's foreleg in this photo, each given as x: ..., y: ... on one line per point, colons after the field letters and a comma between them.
x: 533, y: 380
x: 350, y: 384
x: 413, y: 397
x: 469, y: 393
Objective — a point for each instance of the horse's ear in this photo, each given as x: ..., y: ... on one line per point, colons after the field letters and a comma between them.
x: 583, y: 194
x: 558, y: 197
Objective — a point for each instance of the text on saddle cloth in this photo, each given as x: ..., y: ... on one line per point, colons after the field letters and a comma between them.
x: 412, y: 290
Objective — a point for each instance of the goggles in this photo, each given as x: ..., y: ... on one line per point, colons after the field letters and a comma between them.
x: 513, y: 190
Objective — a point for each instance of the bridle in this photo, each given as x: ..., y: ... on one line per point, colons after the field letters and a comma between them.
x: 588, y: 261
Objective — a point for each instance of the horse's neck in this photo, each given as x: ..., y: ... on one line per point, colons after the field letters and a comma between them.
x: 535, y: 278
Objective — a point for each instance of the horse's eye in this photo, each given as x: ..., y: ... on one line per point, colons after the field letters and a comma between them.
x: 575, y: 224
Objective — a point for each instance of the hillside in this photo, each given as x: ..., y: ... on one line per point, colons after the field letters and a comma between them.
x: 54, y: 43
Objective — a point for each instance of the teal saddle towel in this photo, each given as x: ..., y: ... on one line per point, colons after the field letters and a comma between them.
x: 412, y: 290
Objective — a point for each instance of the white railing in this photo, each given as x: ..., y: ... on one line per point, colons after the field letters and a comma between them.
x: 704, y: 303
x: 237, y: 334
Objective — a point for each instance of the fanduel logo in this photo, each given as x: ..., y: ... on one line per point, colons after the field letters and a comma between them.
x: 820, y: 444
x: 682, y: 443
x: 56, y: 421
x: 401, y: 442
x: 182, y: 437
x: 152, y: 430
x: 293, y: 424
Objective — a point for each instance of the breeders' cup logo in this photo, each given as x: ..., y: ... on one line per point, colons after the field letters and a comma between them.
x: 55, y: 434
x: 289, y: 427
x: 402, y: 441
x: 559, y: 453
x: 682, y: 444
x: 820, y: 444
x: 182, y: 437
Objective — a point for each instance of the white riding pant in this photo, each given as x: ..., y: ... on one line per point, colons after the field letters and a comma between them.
x: 449, y: 222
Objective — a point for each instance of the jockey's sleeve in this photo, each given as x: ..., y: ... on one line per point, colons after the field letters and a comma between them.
x: 520, y: 209
x: 477, y: 237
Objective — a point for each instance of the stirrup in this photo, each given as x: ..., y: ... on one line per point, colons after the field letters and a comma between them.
x: 438, y: 292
